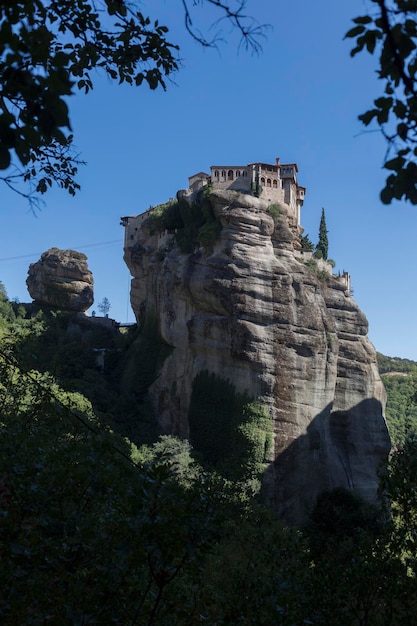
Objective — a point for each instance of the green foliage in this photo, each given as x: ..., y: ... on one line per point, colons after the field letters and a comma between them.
x: 321, y: 274
x: 322, y: 247
x: 256, y: 188
x: 339, y: 519
x: 256, y: 577
x: 401, y: 409
x: 311, y: 263
x: 165, y: 217
x: 88, y: 536
x: 273, y: 210
x: 390, y: 32
x: 51, y: 343
x: 399, y: 486
x: 193, y: 222
x: 137, y: 368
x: 395, y: 364
x: 400, y: 380
x: 208, y: 233
x: 306, y: 243
x: 232, y: 432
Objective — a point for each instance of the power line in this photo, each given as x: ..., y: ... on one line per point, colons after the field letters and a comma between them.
x: 89, y: 245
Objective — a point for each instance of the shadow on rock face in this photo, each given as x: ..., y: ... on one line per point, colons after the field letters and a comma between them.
x: 340, y: 449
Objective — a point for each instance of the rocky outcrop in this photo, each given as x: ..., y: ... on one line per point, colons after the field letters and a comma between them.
x: 251, y: 310
x: 61, y: 278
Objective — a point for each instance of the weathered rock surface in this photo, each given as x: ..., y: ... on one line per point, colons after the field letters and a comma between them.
x: 250, y: 310
x: 61, y: 278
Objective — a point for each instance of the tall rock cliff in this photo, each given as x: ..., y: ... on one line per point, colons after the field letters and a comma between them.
x: 249, y: 309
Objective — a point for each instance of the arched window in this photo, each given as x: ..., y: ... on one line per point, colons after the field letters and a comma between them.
x: 223, y: 173
x: 268, y: 182
x: 245, y: 173
x: 216, y: 173
x: 230, y: 175
x: 262, y: 181
x: 274, y: 184
x: 237, y: 173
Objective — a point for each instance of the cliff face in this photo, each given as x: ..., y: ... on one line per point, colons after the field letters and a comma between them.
x: 251, y: 311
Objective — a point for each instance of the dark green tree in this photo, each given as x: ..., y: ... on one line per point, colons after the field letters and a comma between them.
x: 306, y: 243
x: 322, y: 248
x: 390, y: 31
x: 48, y: 51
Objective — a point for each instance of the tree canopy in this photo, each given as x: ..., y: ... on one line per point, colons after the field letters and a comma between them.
x: 48, y: 52
x: 390, y: 31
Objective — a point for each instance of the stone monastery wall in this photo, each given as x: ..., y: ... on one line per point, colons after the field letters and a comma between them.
x: 275, y: 183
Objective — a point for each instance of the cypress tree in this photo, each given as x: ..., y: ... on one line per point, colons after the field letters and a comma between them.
x: 323, y: 244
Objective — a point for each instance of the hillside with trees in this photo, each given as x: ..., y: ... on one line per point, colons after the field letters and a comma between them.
x: 400, y: 379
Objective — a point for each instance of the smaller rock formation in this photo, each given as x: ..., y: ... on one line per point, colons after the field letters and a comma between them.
x: 61, y: 278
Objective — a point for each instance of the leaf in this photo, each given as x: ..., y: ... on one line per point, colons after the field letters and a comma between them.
x: 365, y: 19
x: 371, y: 41
x: 353, y: 32
x: 383, y: 103
x: 386, y: 195
x: 402, y: 131
x: 394, y: 164
x: 400, y: 109
x: 366, y: 118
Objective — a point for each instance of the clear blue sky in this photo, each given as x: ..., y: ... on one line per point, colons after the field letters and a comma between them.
x: 298, y: 100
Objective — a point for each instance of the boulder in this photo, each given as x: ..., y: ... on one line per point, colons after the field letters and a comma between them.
x: 61, y: 278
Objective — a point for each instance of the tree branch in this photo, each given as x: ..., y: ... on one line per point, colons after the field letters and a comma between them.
x: 251, y: 31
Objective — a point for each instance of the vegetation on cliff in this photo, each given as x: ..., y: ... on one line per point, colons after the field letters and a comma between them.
x: 193, y: 222
x: 322, y: 247
x: 232, y: 432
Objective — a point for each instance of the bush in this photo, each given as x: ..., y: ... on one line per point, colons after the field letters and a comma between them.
x: 165, y: 217
x: 306, y: 243
x: 208, y: 233
x: 274, y: 210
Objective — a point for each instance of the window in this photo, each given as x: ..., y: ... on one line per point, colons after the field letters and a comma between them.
x: 268, y: 182
x: 223, y: 173
x: 230, y: 175
x: 216, y: 173
x: 274, y: 184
